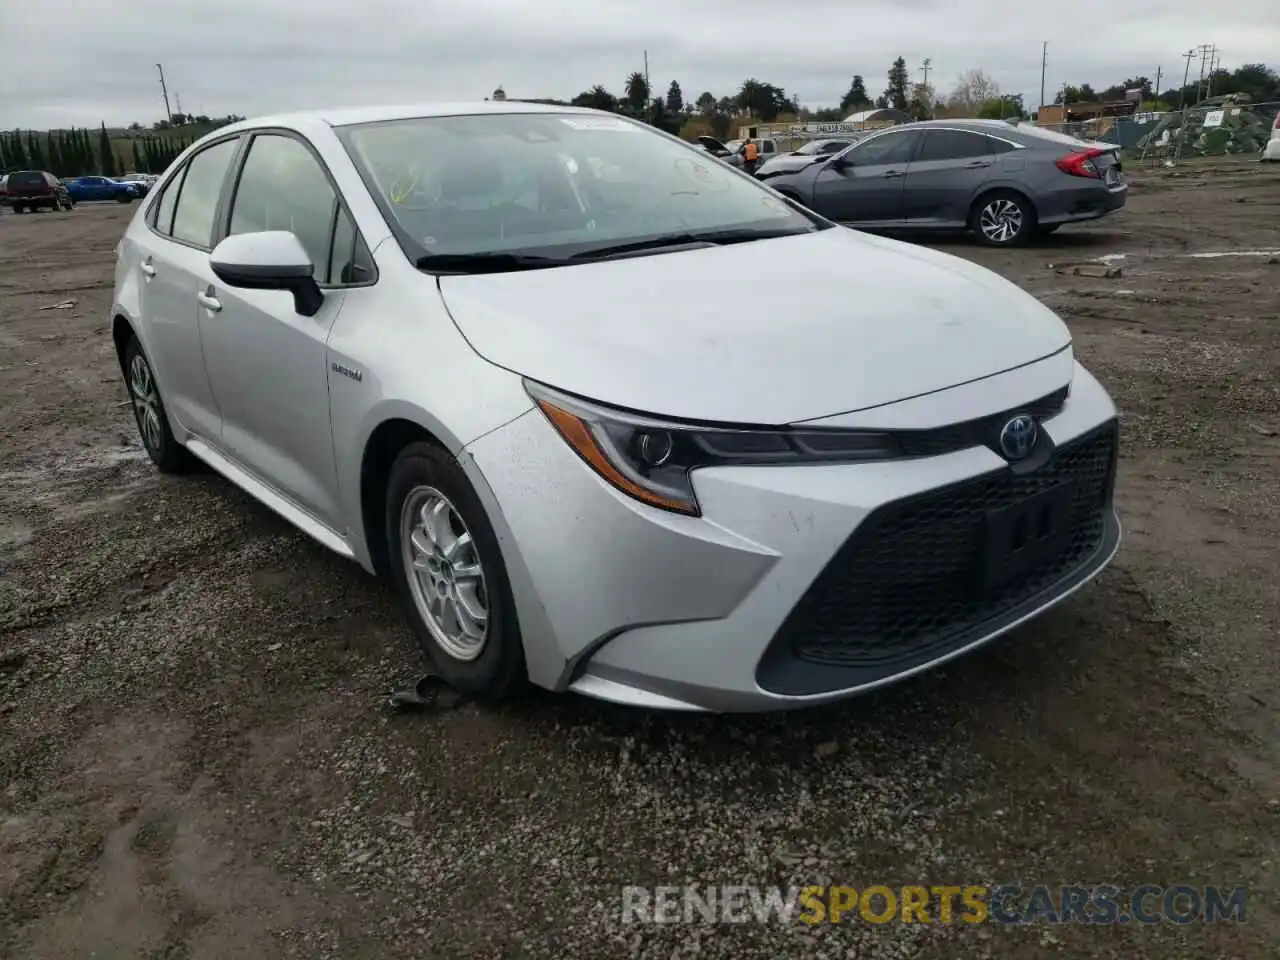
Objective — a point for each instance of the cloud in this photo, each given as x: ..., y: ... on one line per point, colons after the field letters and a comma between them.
x: 271, y: 55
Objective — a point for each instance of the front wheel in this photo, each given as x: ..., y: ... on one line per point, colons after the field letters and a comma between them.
x: 124, y: 198
x: 449, y: 572
x: 1003, y: 219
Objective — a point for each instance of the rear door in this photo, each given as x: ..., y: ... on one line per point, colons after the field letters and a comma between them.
x: 176, y: 255
x: 869, y: 188
x: 948, y: 172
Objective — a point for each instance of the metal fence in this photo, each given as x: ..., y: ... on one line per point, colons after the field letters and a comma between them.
x: 1220, y: 130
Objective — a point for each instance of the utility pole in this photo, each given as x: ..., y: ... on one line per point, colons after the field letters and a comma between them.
x: 1155, y: 94
x: 1186, y: 79
x: 1204, y: 59
x: 1213, y: 59
x: 177, y: 100
x: 168, y: 114
x: 925, y: 68
x: 1044, y: 62
x: 648, y: 92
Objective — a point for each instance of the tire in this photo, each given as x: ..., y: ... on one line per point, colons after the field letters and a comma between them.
x: 995, y: 213
x: 124, y: 198
x: 17, y: 208
x: 436, y: 596
x: 150, y: 415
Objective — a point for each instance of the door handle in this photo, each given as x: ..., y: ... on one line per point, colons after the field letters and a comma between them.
x: 209, y: 302
x: 890, y: 174
x: 148, y: 269
x: 975, y: 164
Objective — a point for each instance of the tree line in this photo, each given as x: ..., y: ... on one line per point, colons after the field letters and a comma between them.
x: 974, y: 94
x: 78, y: 152
x: 1255, y: 80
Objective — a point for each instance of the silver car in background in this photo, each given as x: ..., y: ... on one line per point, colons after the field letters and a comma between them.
x: 1005, y: 183
x: 811, y: 152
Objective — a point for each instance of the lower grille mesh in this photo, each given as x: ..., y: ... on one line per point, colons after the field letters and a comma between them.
x: 903, y: 587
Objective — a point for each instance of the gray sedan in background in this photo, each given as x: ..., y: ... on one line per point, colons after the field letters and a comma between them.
x: 1005, y: 183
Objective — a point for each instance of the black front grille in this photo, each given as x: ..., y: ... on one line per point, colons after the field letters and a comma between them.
x: 904, y: 589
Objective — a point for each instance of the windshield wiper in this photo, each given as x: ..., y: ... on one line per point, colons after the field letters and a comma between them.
x: 485, y: 262
x: 707, y: 238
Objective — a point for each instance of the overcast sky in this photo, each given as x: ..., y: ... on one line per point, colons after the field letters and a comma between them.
x: 64, y: 63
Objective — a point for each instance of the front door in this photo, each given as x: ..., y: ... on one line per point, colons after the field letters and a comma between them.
x: 267, y: 363
x: 864, y: 185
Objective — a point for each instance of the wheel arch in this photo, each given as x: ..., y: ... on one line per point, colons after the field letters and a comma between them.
x: 122, y: 332
x: 381, y: 447
x: 989, y: 189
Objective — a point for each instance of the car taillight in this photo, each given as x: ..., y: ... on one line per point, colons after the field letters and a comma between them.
x: 1080, y: 164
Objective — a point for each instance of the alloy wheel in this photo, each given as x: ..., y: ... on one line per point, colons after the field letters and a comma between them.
x: 444, y: 573
x: 146, y: 402
x: 1000, y: 221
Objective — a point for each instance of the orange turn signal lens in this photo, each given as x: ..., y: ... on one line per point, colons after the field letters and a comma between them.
x: 579, y: 435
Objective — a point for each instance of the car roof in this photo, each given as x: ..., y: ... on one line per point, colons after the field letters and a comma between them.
x: 968, y: 123
x: 348, y: 116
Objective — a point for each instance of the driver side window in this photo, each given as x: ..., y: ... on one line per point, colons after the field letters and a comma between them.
x: 283, y: 187
x: 887, y: 148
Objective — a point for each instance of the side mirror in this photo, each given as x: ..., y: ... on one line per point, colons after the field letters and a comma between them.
x: 269, y: 260
x: 840, y: 162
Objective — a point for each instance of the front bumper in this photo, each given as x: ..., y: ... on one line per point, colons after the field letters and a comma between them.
x: 798, y: 585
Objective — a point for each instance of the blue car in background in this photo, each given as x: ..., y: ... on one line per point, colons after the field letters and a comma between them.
x: 101, y: 188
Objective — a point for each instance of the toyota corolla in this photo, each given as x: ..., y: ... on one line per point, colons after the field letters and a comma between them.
x: 613, y: 417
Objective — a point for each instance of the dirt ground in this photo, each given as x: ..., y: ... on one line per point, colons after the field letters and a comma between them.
x: 196, y: 760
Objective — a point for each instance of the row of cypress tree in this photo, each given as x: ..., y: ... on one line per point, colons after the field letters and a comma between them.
x: 78, y: 152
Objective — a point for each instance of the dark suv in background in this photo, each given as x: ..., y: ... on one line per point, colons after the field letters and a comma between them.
x: 35, y: 190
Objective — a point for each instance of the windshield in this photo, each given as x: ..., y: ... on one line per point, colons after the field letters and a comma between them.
x: 531, y: 183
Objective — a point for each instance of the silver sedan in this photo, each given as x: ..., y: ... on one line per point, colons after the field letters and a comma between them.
x: 503, y: 355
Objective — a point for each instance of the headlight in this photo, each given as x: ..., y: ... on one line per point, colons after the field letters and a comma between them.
x: 651, y: 459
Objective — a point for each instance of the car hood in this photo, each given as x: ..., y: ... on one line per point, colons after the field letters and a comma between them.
x: 767, y: 332
x: 789, y: 163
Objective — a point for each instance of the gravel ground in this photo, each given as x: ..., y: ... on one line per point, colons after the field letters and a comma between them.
x: 196, y: 760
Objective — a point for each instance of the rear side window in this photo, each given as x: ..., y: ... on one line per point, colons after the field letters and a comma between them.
x: 952, y: 145
x: 999, y: 146
x: 198, y: 198
x: 168, y: 200
x: 27, y: 178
